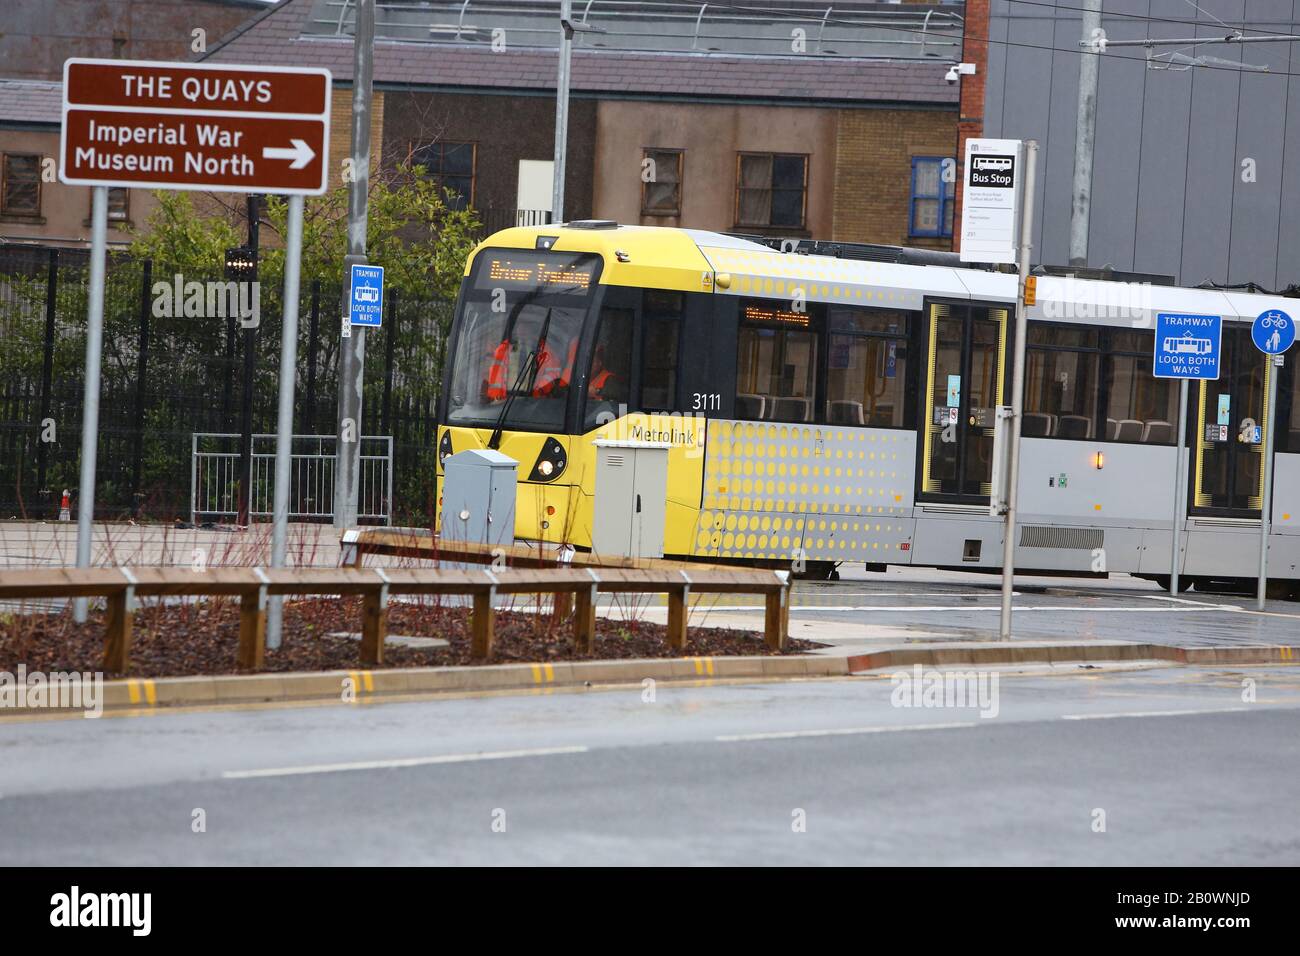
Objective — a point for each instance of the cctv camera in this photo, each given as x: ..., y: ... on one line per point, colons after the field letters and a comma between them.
x: 951, y: 75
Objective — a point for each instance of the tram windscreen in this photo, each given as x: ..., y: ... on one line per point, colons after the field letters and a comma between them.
x: 517, y: 337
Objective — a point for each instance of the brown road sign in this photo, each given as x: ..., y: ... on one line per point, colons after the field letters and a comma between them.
x: 192, y: 126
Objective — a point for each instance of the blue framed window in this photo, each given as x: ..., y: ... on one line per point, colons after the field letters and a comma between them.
x: 930, y: 212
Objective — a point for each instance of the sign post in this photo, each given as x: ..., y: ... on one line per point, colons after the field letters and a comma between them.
x: 1273, y: 332
x: 216, y: 128
x: 90, y: 400
x: 1186, y: 347
x: 284, y: 419
x: 998, y: 226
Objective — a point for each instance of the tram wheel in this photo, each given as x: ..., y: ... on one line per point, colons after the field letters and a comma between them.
x: 1185, y: 582
x: 818, y: 571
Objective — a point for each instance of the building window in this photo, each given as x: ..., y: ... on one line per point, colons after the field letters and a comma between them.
x: 451, y: 166
x: 776, y: 364
x: 119, y: 207
x: 771, y: 189
x: 932, y: 198
x: 661, y: 182
x: 119, y: 204
x: 866, y: 375
x: 20, y: 191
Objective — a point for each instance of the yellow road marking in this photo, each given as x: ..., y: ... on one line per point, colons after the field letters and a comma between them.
x: 362, y: 682
x: 543, y: 673
x: 142, y: 691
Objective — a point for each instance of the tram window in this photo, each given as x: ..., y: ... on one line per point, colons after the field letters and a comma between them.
x: 868, y: 322
x: 662, y: 314
x: 1289, y: 411
x: 1139, y: 406
x: 525, y: 362
x: 867, y: 370
x: 611, y: 365
x: 1062, y: 366
x: 774, y: 374
x: 1062, y: 336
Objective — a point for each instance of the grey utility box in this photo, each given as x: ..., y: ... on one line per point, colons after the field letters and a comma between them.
x: 478, y: 497
x: 631, y: 498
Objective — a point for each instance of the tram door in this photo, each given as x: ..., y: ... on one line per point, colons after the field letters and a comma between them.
x: 963, y: 388
x: 1230, y: 421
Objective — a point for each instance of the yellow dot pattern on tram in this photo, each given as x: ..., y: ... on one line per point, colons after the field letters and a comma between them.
x: 772, y: 490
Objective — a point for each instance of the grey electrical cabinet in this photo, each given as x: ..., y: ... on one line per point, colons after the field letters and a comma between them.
x: 631, y: 498
x: 478, y: 497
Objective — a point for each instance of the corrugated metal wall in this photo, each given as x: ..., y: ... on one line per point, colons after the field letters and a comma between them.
x: 1168, y: 194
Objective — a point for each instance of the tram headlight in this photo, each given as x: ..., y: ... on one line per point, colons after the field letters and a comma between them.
x: 550, y: 463
x: 444, y: 447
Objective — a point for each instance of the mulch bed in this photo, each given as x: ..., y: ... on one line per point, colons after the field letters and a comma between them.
x: 175, y: 640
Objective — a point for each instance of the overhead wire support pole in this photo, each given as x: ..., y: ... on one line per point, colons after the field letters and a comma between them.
x: 1030, y: 157
x: 562, y: 111
x: 352, y: 352
x: 1085, y: 132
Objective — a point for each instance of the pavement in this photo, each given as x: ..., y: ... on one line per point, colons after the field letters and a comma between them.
x: 906, y: 607
x: 1134, y: 766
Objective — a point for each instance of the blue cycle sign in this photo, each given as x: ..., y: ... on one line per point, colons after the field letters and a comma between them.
x: 1187, y: 346
x: 1273, y: 332
x: 366, y: 300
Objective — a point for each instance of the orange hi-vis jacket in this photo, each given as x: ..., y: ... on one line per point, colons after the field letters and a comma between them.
x: 497, y: 372
x: 550, y: 375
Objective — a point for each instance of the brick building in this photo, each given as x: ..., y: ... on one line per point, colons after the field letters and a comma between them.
x: 38, y: 36
x: 793, y: 122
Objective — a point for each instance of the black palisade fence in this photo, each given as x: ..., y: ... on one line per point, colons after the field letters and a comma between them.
x: 168, y: 375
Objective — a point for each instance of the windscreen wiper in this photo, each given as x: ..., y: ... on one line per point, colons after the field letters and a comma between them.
x: 530, y: 367
x: 529, y: 362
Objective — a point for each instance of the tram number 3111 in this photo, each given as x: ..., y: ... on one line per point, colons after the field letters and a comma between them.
x: 706, y: 401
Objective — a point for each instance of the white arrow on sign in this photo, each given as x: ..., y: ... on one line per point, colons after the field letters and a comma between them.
x: 300, y: 153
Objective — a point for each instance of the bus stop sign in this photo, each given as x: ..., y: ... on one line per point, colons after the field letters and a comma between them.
x: 1273, y: 332
x: 1187, y: 346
